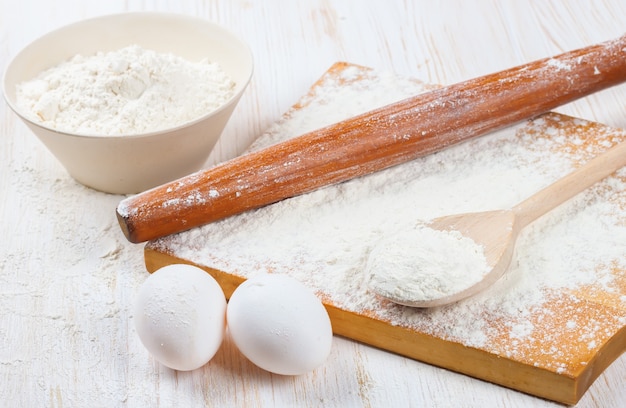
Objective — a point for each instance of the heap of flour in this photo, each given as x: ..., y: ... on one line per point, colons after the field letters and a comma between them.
x: 128, y: 91
x: 422, y: 264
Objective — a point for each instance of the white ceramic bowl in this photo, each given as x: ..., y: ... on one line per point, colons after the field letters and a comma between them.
x: 133, y: 163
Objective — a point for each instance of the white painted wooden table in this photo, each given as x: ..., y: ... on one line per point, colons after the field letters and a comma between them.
x: 68, y: 277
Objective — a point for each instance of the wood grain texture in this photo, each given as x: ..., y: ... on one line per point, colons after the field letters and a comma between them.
x: 68, y: 277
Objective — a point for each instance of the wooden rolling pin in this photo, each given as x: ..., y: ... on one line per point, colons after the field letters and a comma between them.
x: 372, y: 141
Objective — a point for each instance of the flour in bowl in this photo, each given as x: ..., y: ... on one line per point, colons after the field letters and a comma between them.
x: 128, y: 91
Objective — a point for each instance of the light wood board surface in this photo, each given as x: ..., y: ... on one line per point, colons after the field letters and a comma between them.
x: 561, y: 353
x: 68, y: 276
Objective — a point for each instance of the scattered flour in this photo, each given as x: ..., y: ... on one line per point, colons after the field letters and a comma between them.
x: 541, y: 312
x: 124, y: 92
x: 422, y: 264
x: 559, y: 65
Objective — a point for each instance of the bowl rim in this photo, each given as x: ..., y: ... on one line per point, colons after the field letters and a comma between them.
x: 146, y: 14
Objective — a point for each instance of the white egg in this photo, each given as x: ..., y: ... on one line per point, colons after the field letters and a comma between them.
x: 179, y: 315
x: 279, y: 324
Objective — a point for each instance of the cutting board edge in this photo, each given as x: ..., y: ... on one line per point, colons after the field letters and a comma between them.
x: 455, y: 357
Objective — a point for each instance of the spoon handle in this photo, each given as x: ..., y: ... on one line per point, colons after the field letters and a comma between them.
x: 567, y: 187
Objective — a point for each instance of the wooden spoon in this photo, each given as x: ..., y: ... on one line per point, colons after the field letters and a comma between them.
x: 496, y: 231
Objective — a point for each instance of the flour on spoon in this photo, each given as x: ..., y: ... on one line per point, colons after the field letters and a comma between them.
x: 423, y: 264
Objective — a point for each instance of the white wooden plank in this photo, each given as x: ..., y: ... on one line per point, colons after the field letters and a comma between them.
x: 68, y: 278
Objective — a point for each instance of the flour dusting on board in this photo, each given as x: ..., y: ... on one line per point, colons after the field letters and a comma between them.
x: 563, y: 261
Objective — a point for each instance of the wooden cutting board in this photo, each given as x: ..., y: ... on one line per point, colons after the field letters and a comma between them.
x: 553, y: 348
